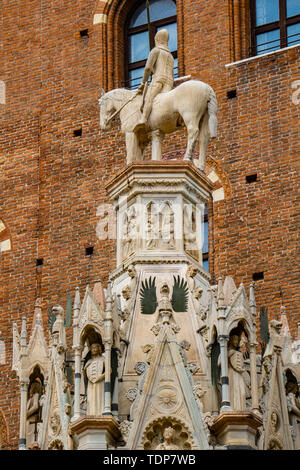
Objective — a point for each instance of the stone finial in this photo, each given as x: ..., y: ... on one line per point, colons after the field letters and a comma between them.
x: 23, y: 337
x: 220, y: 293
x: 37, y: 315
x: 229, y: 289
x: 252, y: 301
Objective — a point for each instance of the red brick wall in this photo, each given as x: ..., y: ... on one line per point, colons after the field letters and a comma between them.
x: 52, y: 182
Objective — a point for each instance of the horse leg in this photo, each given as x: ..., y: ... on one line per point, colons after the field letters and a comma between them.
x: 157, y: 138
x: 193, y: 133
x: 133, y: 149
x: 203, y: 141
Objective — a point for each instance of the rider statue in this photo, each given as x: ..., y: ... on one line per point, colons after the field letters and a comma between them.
x: 160, y: 65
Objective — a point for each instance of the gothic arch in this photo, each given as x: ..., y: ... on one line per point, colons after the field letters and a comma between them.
x: 5, y: 237
x: 153, y: 433
x: 111, y: 17
x: 219, y: 177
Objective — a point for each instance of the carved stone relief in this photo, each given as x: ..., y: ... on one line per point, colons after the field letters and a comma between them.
x: 190, y: 231
x: 167, y: 433
x: 129, y: 232
x: 160, y: 226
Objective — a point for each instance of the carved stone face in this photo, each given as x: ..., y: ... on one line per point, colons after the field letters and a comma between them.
x: 96, y: 350
x: 131, y: 271
x: 169, y: 434
x: 234, y: 340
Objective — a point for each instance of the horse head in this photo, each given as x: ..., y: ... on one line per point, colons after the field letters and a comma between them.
x: 106, y: 110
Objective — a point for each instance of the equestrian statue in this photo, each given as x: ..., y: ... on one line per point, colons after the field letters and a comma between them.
x: 153, y: 110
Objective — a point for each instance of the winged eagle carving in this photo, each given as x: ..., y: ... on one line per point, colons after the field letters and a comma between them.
x: 148, y: 295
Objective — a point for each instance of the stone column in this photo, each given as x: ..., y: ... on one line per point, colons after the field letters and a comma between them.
x: 77, y: 348
x: 23, y: 412
x: 225, y: 405
x: 107, y: 383
x: 115, y: 392
x: 77, y: 382
x: 253, y: 378
x: 107, y: 345
x: 157, y: 138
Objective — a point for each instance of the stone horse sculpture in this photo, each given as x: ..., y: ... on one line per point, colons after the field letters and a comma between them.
x: 192, y: 104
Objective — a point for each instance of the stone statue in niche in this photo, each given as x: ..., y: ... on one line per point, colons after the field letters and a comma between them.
x: 160, y: 227
x: 94, y: 370
x: 125, y: 314
x: 166, y: 227
x: 236, y: 370
x: 129, y: 234
x: 33, y: 412
x: 149, y: 114
x: 169, y: 440
x: 152, y: 226
x: 190, y: 231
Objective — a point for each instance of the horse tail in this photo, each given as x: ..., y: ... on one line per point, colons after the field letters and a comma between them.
x: 212, y: 106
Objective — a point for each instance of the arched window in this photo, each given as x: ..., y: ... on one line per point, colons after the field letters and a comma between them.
x: 162, y: 15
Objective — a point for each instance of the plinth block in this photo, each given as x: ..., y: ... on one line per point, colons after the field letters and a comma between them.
x: 237, y: 428
x: 95, y: 433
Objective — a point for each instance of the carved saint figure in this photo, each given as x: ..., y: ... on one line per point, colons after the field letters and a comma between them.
x: 125, y: 314
x: 129, y: 232
x: 166, y: 229
x: 152, y: 226
x: 235, y: 372
x: 94, y: 370
x: 190, y: 232
x: 169, y: 438
x: 32, y: 414
x: 160, y: 66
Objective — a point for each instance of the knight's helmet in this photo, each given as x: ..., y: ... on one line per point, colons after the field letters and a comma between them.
x: 161, y: 38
